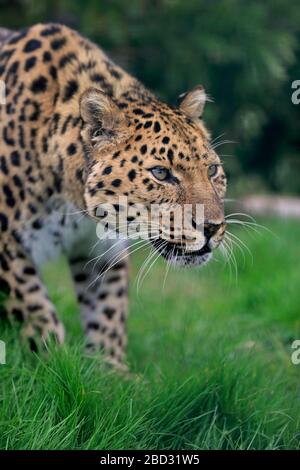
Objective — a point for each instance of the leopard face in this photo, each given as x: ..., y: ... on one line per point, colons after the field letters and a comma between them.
x: 153, y: 154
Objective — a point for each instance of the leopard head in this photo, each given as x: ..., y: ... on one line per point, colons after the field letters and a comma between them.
x: 143, y: 150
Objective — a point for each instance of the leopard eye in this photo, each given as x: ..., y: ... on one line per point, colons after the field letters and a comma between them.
x: 96, y: 133
x: 161, y: 173
x: 212, y: 170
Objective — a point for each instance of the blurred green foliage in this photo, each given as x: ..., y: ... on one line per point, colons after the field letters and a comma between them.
x: 245, y: 53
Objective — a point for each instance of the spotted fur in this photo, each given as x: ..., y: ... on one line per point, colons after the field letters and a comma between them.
x: 77, y: 131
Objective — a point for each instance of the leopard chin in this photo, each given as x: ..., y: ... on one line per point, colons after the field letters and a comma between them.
x: 177, y: 255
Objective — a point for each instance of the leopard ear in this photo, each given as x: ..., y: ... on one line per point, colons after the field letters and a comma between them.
x: 106, y: 122
x: 192, y: 103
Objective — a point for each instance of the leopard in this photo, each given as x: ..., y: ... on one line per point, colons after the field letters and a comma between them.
x: 78, y: 131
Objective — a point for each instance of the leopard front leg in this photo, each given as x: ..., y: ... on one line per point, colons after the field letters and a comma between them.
x: 27, y: 298
x: 103, y: 298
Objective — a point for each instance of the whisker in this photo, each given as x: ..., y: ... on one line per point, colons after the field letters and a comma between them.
x: 143, y: 268
x: 231, y: 258
x: 222, y: 142
x: 234, y: 261
x: 215, y: 139
x: 117, y: 260
x: 239, y: 243
x: 234, y: 214
x: 252, y: 225
x: 118, y: 241
x: 168, y: 266
x: 151, y: 265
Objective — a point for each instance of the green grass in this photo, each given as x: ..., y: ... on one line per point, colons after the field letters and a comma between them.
x: 212, y: 357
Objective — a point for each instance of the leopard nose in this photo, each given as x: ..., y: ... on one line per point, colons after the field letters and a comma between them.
x: 210, y: 230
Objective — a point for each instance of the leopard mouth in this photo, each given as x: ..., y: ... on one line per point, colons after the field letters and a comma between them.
x: 178, y: 254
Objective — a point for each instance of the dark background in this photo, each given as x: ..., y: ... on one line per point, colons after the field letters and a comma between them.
x: 245, y: 53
